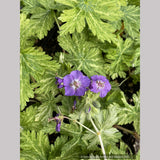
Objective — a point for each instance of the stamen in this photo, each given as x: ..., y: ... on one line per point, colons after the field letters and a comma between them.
x: 100, y: 84
x: 75, y: 84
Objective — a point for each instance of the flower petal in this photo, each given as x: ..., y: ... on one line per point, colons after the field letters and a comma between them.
x: 58, y: 126
x: 60, y: 86
x: 76, y: 74
x: 103, y: 90
x: 103, y: 93
x: 93, y: 87
x: 67, y: 80
x: 85, y: 81
x: 69, y: 91
x: 94, y: 78
x: 107, y: 86
x: 80, y: 91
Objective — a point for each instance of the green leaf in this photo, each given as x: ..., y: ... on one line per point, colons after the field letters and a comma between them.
x: 48, y: 4
x: 49, y: 128
x: 81, y: 54
x: 30, y: 6
x: 131, y: 20
x: 120, y: 152
x: 70, y: 129
x: 47, y: 83
x: 136, y: 62
x: 104, y: 120
x: 28, y: 119
x: 32, y: 63
x: 65, y: 67
x: 104, y: 31
x: 91, y: 11
x: 42, y: 17
x: 48, y: 105
x: 121, y: 58
x: 89, y: 100
x: 26, y: 39
x: 42, y: 22
x: 138, y: 155
x: 94, y: 157
x: 135, y: 2
x: 113, y: 96
x: 56, y: 149
x: 34, y: 145
x: 67, y: 104
x: 129, y: 113
x: 74, y: 147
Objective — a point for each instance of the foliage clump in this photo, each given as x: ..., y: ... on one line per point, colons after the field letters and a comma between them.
x: 76, y: 101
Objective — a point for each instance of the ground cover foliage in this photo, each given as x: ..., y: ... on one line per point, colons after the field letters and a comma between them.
x: 95, y: 37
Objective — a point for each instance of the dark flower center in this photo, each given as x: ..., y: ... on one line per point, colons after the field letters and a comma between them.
x: 100, y: 84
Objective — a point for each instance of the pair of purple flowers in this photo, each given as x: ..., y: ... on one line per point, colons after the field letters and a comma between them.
x: 76, y: 84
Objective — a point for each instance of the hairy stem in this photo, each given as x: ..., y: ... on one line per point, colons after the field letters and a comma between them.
x: 94, y: 126
x: 80, y: 124
x: 100, y: 139
x: 102, y: 146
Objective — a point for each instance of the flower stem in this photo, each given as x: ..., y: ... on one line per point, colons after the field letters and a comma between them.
x: 80, y: 124
x: 102, y: 146
x: 94, y: 126
x: 100, y: 139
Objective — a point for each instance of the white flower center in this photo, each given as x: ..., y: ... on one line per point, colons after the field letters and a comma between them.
x: 75, y: 84
x: 100, y: 84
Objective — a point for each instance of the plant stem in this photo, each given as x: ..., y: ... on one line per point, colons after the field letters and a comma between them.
x: 80, y: 124
x: 128, y: 131
x: 59, y: 110
x: 100, y: 139
x: 94, y: 126
x: 102, y: 146
x: 51, y: 119
x: 123, y: 81
x: 56, y: 21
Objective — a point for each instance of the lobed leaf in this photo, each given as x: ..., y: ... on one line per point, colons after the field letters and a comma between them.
x: 121, y: 58
x: 48, y: 105
x: 34, y: 145
x: 26, y: 39
x: 47, y: 83
x: 131, y: 20
x: 104, y: 120
x: 129, y: 113
x: 89, y: 11
x: 81, y: 54
x: 32, y: 63
x: 42, y: 16
x: 28, y: 119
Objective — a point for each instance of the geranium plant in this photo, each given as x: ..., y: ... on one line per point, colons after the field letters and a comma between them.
x: 79, y: 79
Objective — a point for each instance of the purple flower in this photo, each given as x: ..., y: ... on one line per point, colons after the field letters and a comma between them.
x: 58, y: 126
x: 59, y: 81
x: 89, y: 109
x: 75, y: 83
x: 74, y: 105
x: 58, y: 121
x: 100, y: 84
